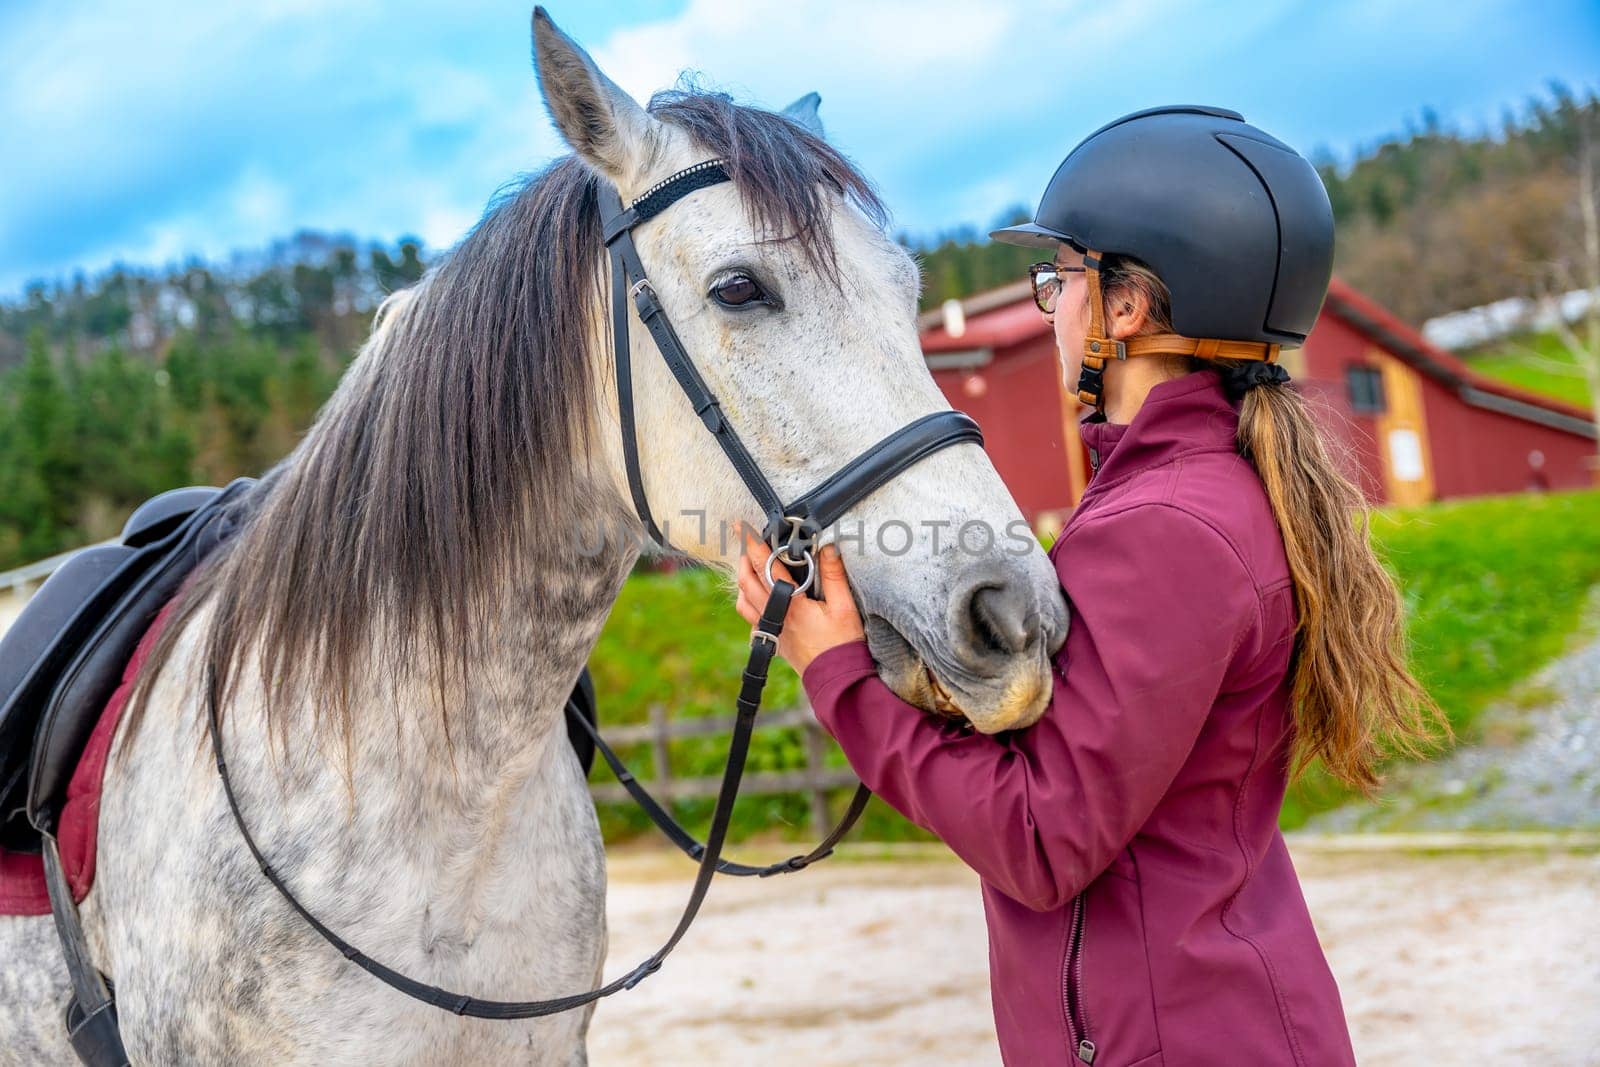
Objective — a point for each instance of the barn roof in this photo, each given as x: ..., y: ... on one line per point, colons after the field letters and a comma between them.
x: 1003, y: 317
x: 1475, y: 389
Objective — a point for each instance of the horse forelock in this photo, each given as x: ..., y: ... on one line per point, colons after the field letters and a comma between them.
x: 781, y: 169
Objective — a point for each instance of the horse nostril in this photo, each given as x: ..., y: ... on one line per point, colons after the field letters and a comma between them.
x: 997, y: 616
x: 1002, y: 619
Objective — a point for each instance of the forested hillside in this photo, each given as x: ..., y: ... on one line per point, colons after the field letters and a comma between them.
x: 1442, y: 220
x: 115, y: 387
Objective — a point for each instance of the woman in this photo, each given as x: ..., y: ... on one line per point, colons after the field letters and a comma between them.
x: 1231, y: 623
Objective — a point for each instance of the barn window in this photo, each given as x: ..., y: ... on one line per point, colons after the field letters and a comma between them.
x: 1365, y: 385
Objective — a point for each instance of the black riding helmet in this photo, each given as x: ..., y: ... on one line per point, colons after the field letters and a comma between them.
x: 1235, y: 222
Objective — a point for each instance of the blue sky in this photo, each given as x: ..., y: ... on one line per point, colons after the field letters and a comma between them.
x: 149, y: 132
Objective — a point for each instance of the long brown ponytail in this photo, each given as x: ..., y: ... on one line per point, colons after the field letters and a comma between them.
x: 1354, y: 697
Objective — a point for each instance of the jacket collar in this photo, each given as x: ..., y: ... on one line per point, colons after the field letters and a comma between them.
x: 1180, y: 417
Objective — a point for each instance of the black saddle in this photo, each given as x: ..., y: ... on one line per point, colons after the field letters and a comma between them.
x: 65, y: 654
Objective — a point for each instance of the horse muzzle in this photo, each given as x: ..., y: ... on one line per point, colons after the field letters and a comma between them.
x: 993, y: 665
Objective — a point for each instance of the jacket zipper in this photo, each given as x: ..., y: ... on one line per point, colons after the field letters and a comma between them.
x: 1072, y: 986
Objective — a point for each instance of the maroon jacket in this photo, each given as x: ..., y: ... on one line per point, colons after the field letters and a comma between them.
x: 1142, y: 906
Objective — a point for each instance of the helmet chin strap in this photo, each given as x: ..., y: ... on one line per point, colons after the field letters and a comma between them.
x: 1098, y: 347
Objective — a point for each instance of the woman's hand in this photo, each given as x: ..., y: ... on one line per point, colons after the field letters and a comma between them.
x: 812, y: 626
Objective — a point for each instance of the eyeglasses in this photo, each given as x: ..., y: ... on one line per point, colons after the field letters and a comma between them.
x: 1047, y: 279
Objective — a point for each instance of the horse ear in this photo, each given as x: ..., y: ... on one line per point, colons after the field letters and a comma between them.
x: 601, y: 123
x: 804, y: 112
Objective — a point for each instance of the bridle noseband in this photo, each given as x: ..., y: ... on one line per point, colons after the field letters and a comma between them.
x: 800, y: 523
x: 795, y: 526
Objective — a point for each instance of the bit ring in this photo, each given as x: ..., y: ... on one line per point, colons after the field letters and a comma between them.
x: 805, y: 557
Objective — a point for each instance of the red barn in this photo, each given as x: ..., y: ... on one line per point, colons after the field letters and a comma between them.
x: 1415, y: 422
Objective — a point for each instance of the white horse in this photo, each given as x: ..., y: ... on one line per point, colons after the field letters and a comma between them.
x: 417, y: 586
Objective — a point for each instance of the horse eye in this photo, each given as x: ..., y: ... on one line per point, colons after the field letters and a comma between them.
x: 739, y: 291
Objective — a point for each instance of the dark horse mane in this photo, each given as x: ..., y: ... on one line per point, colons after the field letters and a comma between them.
x: 385, y: 536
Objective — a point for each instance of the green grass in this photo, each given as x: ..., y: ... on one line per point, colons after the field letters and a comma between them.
x: 1539, y: 363
x: 1494, y: 588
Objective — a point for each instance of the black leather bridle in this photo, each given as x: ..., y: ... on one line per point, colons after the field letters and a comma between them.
x: 792, y: 528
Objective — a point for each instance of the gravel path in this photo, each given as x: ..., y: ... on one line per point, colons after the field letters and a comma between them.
x: 1441, y: 959
x: 1538, y: 765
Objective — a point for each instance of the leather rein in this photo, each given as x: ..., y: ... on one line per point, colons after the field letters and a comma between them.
x: 799, y: 522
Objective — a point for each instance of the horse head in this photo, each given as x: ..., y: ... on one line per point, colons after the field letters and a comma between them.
x: 800, y: 313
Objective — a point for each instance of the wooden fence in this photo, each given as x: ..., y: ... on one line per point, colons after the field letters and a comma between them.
x: 661, y: 729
